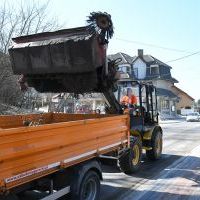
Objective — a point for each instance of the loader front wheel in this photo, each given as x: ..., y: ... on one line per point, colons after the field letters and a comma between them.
x: 131, y: 161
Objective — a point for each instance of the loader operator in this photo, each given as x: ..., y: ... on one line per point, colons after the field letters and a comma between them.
x: 129, y: 102
x: 130, y: 99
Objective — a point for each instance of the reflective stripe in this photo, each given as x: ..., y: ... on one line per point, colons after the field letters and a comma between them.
x: 80, y: 156
x: 53, y: 165
x: 31, y: 172
x: 109, y: 146
x: 112, y: 145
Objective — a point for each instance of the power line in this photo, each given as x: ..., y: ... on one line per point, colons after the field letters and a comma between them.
x: 153, y: 45
x: 192, y: 54
x: 165, y: 48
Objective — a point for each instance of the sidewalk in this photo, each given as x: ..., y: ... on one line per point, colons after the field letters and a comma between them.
x: 170, y: 121
x: 167, y: 119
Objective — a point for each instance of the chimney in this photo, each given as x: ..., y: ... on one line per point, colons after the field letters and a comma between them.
x: 140, y: 53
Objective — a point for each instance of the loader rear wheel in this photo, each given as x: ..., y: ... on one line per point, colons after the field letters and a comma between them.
x: 131, y: 161
x: 156, y: 142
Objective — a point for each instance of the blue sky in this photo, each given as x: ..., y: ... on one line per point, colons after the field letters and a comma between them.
x: 173, y: 24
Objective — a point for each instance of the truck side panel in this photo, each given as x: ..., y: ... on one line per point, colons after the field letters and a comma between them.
x: 27, y: 153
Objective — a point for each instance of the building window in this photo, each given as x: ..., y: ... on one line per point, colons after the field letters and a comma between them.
x: 128, y: 69
x: 164, y: 104
x: 154, y: 69
x: 125, y: 69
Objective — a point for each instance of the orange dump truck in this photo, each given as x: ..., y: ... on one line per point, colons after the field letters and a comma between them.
x: 59, y: 153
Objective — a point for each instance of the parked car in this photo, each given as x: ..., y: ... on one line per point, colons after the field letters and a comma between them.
x: 193, y: 117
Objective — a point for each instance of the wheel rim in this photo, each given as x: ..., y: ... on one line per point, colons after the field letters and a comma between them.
x: 136, y: 158
x: 158, y: 145
x: 90, y: 190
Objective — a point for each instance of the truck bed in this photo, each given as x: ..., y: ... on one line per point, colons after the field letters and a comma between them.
x: 54, y: 141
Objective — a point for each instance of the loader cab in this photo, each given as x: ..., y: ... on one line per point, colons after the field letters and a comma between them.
x: 143, y: 111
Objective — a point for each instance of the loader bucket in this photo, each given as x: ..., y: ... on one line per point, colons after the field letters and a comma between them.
x: 63, y: 61
x: 70, y: 60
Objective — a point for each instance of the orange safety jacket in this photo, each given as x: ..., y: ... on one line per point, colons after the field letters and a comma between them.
x: 129, y: 100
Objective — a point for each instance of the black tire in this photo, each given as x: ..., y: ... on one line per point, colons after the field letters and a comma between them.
x: 9, y: 197
x: 130, y: 162
x: 89, y: 188
x: 156, y: 144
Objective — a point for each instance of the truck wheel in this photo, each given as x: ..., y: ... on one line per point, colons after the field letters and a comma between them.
x: 89, y: 188
x: 131, y: 161
x: 157, y: 143
x: 9, y: 197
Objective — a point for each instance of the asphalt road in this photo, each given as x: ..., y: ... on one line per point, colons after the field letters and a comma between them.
x: 157, y: 180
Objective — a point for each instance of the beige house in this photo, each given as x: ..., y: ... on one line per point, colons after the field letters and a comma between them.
x: 148, y: 68
x: 185, y: 100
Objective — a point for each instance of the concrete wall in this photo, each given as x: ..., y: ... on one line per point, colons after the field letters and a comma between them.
x: 184, y: 101
x: 163, y: 84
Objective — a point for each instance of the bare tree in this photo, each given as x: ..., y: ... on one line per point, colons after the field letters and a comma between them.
x: 28, y: 17
x: 9, y: 92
